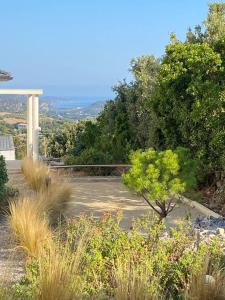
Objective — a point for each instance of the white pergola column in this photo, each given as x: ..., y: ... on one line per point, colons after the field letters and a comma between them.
x: 29, y: 126
x: 35, y: 122
x: 32, y: 117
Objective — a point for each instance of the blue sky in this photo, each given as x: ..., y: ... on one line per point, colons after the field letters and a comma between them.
x: 83, y: 47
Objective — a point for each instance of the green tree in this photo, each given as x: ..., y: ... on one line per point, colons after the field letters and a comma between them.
x: 214, y: 26
x: 189, y: 102
x: 126, y: 123
x: 215, y: 23
x: 158, y: 176
x: 62, y: 140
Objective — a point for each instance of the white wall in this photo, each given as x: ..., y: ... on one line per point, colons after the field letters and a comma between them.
x: 8, y: 155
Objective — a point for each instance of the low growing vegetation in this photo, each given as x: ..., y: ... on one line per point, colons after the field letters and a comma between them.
x: 29, y: 225
x: 95, y: 259
x: 88, y: 258
x: 6, y: 192
x: 3, y: 178
x: 52, y: 195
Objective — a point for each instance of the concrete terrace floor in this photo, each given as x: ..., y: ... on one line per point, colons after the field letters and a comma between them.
x: 97, y: 195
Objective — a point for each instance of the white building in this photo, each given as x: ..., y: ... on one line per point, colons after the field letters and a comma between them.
x: 7, y: 148
x: 21, y: 126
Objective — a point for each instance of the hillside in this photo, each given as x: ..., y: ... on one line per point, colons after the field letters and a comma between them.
x: 54, y: 106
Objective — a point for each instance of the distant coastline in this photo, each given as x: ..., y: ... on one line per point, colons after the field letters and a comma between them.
x: 76, y: 102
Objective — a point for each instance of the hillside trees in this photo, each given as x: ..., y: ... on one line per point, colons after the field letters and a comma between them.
x: 190, y: 101
x: 62, y: 140
x: 214, y: 26
x: 176, y: 101
x: 126, y: 123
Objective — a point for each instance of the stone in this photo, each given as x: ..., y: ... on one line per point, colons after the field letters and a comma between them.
x: 220, y: 231
x: 209, y: 280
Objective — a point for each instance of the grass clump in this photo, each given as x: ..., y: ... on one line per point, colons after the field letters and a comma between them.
x: 53, y: 197
x: 28, y: 225
x: 133, y: 281
x: 55, y: 201
x: 36, y: 173
x: 207, y: 284
x: 59, y: 271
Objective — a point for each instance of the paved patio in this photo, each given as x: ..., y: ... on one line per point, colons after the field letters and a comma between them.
x: 96, y: 196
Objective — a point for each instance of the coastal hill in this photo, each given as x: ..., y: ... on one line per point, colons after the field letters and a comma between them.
x: 63, y: 107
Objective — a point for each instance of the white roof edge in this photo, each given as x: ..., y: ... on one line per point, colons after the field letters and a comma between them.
x: 21, y: 92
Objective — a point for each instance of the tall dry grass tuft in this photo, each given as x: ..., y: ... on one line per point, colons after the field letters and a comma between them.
x: 55, y: 200
x: 6, y: 293
x: 36, y: 173
x: 29, y: 225
x: 133, y: 282
x: 53, y: 196
x: 59, y: 271
x: 207, y: 287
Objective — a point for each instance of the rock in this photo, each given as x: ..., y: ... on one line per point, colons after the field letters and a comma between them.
x: 206, y: 228
x: 220, y: 231
x: 209, y: 280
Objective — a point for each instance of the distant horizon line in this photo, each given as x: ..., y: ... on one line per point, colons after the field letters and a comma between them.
x: 76, y: 96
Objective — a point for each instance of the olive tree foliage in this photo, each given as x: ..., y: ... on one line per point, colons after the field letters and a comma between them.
x: 213, y: 27
x: 126, y: 123
x: 190, y: 101
x: 215, y: 23
x: 158, y: 176
x: 145, y: 70
x: 61, y: 141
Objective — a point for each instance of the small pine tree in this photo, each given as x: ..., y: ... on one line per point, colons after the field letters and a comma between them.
x: 158, y: 176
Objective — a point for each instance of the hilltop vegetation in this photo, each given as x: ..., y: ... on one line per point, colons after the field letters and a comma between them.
x: 177, y: 100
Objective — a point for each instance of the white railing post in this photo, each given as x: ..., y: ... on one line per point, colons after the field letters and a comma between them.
x: 29, y: 126
x: 35, y: 120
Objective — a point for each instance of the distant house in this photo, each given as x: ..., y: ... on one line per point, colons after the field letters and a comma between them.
x: 7, y: 148
x: 21, y: 126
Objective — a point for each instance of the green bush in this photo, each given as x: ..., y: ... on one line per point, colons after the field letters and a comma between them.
x: 6, y: 191
x: 91, y: 156
x: 3, y: 179
x: 117, y: 264
x: 158, y: 176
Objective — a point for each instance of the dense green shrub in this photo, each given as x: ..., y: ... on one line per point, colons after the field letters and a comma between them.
x: 158, y: 176
x: 190, y: 101
x: 3, y: 178
x: 6, y: 191
x: 116, y: 264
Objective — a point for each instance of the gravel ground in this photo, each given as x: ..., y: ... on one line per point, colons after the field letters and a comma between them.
x: 11, y: 258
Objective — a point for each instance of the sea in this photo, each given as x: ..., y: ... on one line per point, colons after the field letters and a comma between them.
x: 66, y: 103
